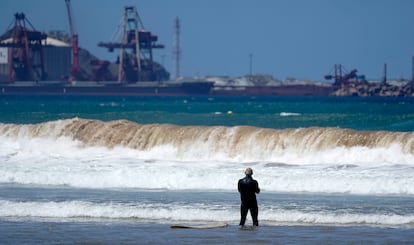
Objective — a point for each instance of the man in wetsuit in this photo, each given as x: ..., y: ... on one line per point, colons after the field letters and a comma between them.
x: 248, y: 187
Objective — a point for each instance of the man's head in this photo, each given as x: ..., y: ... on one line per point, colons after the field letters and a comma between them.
x: 248, y: 171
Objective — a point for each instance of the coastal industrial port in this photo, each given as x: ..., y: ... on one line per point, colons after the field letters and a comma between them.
x: 33, y: 62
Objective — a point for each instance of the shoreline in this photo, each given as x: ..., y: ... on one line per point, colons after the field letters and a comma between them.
x: 155, y: 233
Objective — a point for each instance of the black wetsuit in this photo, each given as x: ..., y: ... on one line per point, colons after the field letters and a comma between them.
x: 248, y: 187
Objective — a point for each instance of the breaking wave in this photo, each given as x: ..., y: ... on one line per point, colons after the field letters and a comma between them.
x: 116, y: 154
x: 239, y: 143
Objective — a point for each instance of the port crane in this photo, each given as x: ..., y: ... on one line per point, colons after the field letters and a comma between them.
x: 341, y: 76
x: 135, y: 61
x: 26, y: 51
x: 76, y: 71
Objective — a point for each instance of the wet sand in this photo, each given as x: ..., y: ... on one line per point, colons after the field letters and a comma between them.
x: 133, y: 232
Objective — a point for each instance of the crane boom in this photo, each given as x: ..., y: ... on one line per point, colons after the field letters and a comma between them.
x: 75, y: 69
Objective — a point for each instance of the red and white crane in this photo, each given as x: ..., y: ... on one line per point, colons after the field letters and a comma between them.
x: 76, y: 72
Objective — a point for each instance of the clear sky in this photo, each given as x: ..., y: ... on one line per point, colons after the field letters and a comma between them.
x: 287, y: 38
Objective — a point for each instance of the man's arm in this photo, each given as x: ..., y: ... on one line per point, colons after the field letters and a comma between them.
x: 257, y: 188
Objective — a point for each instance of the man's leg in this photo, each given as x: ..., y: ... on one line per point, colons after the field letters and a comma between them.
x: 243, y: 214
x: 254, y: 211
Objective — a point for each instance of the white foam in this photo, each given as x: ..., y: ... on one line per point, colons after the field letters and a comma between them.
x: 208, y: 158
x: 287, y: 114
x: 62, y: 161
x: 147, y: 211
x: 191, y: 213
x: 335, y: 218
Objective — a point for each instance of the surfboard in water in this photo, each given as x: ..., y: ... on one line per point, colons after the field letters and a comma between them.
x: 210, y: 226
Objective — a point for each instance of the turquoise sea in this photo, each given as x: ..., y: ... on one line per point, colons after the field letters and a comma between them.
x: 124, y: 169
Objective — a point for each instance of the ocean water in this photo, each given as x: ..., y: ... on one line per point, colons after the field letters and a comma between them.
x: 124, y: 169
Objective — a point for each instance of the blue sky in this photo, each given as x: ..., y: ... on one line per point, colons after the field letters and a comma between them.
x: 287, y: 38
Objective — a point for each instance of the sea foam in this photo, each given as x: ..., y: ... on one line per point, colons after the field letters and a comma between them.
x: 116, y: 154
x: 178, y: 212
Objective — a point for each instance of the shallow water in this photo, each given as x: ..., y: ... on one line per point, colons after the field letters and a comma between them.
x: 39, y: 214
x: 134, y: 232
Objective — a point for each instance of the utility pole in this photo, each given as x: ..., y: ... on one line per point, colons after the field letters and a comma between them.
x: 412, y: 69
x: 177, y: 48
x: 250, y: 64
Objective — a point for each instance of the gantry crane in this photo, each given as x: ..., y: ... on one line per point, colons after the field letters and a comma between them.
x: 26, y: 61
x: 137, y: 64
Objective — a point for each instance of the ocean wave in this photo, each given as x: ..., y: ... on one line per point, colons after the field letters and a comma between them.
x: 239, y: 143
x: 116, y: 154
x: 177, y: 212
x: 102, y: 169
